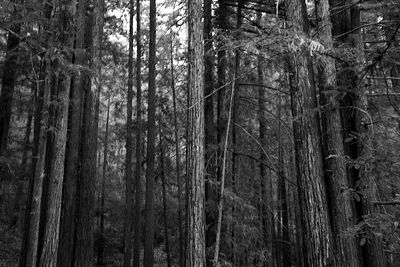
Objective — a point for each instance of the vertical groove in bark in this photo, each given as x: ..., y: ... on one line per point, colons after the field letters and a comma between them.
x: 307, y: 140
x: 151, y: 137
x: 196, y: 215
x: 138, y: 170
x: 354, y: 119
x: 128, y: 242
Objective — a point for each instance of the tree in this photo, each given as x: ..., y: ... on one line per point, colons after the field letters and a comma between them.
x: 317, y: 233
x: 129, y: 151
x: 195, y: 232
x: 151, y: 139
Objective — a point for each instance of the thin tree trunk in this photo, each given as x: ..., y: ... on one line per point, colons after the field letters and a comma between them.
x: 129, y: 151
x: 196, y: 255
x: 177, y: 162
x: 138, y: 170
x: 307, y: 139
x: 150, y: 172
x: 164, y: 192
x: 100, y: 251
x: 210, y: 192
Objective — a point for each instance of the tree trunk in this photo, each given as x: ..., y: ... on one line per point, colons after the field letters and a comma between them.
x: 317, y: 234
x: 100, y: 251
x: 129, y: 151
x: 150, y: 172
x: 340, y: 202
x: 138, y: 170
x: 177, y: 163
x: 355, y: 122
x: 196, y: 214
x: 84, y: 226
x: 164, y: 193
x: 210, y: 192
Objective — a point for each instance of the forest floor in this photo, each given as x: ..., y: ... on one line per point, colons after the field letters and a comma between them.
x: 10, y: 242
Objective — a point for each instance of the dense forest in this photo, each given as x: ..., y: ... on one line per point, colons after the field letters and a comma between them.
x: 200, y: 133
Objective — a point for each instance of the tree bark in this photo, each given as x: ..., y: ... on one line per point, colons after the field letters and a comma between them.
x: 340, y: 202
x: 196, y: 214
x: 307, y: 139
x: 100, y: 251
x: 129, y: 151
x: 138, y: 170
x: 150, y: 172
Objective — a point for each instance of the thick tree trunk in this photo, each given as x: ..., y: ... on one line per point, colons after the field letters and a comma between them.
x: 151, y: 133
x: 138, y: 170
x: 317, y: 236
x: 129, y: 151
x: 196, y: 214
x: 356, y: 121
x: 84, y: 226
x: 340, y: 202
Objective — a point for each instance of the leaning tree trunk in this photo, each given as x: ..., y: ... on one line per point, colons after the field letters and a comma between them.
x: 196, y: 215
x: 307, y: 140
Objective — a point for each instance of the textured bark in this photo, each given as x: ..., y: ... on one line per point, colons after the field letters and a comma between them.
x: 196, y: 214
x: 8, y: 82
x: 29, y: 255
x: 313, y: 199
x: 138, y: 170
x: 355, y: 121
x: 177, y: 163
x: 210, y: 192
x: 151, y: 133
x: 347, y: 249
x: 128, y: 241
x: 84, y: 225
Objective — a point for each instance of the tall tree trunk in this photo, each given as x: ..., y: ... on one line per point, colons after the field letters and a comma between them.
x: 196, y: 214
x: 84, y: 225
x: 129, y: 151
x: 164, y: 193
x: 138, y: 170
x: 8, y: 81
x: 151, y: 133
x: 307, y: 140
x: 177, y: 163
x: 340, y: 202
x: 284, y: 253
x: 210, y: 192
x: 354, y: 119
